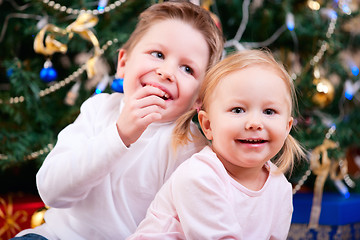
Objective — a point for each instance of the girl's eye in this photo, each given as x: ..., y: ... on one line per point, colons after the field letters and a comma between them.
x: 237, y: 110
x: 188, y: 69
x: 269, y: 111
x: 157, y: 54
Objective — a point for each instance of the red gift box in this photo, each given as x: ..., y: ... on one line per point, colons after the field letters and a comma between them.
x: 16, y: 211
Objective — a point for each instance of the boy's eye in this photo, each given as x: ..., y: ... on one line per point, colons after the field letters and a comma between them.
x: 187, y: 69
x: 269, y: 111
x: 157, y: 54
x: 237, y: 110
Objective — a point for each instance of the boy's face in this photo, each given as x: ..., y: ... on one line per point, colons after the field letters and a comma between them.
x: 249, y: 117
x: 171, y: 56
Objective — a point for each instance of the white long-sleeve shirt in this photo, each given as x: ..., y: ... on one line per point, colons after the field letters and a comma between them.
x: 201, y: 201
x: 98, y: 188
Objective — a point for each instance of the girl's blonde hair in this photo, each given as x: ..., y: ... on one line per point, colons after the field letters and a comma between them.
x: 291, y: 148
x: 194, y: 15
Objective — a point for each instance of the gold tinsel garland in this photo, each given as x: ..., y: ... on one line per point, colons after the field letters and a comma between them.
x: 10, y: 217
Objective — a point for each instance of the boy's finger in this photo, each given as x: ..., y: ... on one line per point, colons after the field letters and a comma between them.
x: 150, y: 90
x: 151, y: 100
x: 150, y: 110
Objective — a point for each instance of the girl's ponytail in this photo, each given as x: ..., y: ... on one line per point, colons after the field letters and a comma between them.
x: 181, y: 133
x: 290, y: 151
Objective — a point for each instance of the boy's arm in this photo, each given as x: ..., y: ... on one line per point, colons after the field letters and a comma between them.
x: 84, y: 154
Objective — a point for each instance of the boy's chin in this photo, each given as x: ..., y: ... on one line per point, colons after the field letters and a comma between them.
x: 171, y: 117
x: 166, y: 120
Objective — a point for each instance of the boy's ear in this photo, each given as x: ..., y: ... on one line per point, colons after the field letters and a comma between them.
x: 205, y: 125
x: 197, y: 105
x: 120, y: 71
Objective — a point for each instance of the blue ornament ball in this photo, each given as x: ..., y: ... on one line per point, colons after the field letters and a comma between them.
x: 48, y: 74
x: 118, y: 85
x: 9, y: 72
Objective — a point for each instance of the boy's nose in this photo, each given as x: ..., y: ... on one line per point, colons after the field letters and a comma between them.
x: 166, y: 71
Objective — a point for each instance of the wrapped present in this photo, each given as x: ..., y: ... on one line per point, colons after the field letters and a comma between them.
x: 342, y: 232
x: 335, y: 208
x: 339, y: 217
x: 16, y: 212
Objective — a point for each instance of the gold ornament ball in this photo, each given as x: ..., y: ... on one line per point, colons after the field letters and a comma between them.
x: 325, y: 92
x: 38, y: 217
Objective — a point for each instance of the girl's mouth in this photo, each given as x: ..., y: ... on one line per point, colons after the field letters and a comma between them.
x: 252, y: 141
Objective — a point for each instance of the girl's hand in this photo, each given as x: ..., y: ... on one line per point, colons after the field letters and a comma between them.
x: 141, y: 109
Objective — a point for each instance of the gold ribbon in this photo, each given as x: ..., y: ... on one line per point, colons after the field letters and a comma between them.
x: 11, y: 219
x: 51, y: 44
x: 321, y: 169
x: 80, y: 26
x: 206, y: 4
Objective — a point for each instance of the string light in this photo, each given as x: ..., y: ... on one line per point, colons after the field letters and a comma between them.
x: 313, y: 5
x: 331, y: 131
x: 102, y: 4
x: 70, y: 11
x: 344, y: 6
x: 290, y: 22
x: 33, y: 155
x: 301, y: 181
x: 102, y: 84
x: 342, y: 188
x: 354, y: 69
x: 351, y: 88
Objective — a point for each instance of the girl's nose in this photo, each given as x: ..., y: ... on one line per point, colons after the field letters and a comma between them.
x: 254, y: 122
x: 166, y: 71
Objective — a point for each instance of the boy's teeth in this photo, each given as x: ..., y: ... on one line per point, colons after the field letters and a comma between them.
x: 165, y: 95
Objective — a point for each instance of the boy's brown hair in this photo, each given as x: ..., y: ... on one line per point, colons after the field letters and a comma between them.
x: 189, y: 13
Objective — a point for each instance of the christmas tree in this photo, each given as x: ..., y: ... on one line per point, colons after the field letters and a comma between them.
x: 56, y: 54
x: 41, y: 85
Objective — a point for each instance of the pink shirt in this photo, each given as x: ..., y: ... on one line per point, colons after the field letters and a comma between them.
x: 201, y: 201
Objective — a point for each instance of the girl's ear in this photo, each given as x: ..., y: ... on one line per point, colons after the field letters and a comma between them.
x: 289, y: 125
x: 205, y: 125
x: 120, y: 71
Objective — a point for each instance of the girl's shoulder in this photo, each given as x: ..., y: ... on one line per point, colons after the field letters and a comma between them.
x: 202, y: 166
x: 277, y: 180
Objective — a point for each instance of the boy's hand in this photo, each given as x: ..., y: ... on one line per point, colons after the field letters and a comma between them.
x: 141, y: 109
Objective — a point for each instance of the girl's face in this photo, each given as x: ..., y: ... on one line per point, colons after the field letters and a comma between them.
x: 249, y: 118
x: 171, y: 56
